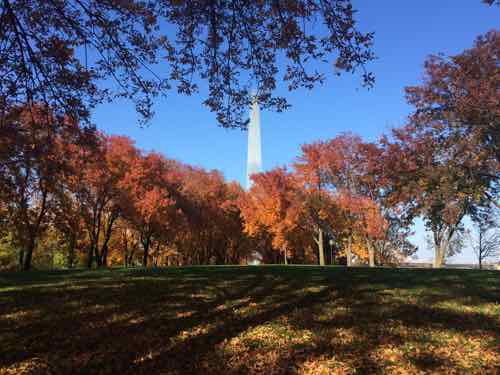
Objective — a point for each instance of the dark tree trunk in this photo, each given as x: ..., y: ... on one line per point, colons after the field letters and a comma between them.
x: 107, y: 236
x: 28, y: 254
x: 34, y: 231
x: 104, y: 255
x: 97, y: 256
x: 90, y: 256
x: 71, y: 251
x: 131, y: 256
x: 480, y: 249
x: 21, y: 258
x: 145, y: 257
x: 145, y: 244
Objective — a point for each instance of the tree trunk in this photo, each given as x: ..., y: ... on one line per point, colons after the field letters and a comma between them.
x: 131, y: 256
x: 90, y: 256
x: 71, y: 251
x: 21, y: 258
x: 145, y: 257
x: 28, y: 254
x: 349, y: 252
x: 371, y: 254
x: 286, y: 260
x: 157, y: 255
x: 34, y: 234
x: 104, y: 255
x: 480, y: 252
x: 97, y: 256
x: 321, y: 247
x: 145, y: 245
x: 440, y: 254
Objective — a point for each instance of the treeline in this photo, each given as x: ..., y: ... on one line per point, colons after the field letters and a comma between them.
x: 72, y: 196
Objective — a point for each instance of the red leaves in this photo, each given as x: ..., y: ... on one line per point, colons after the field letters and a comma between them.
x: 460, y: 94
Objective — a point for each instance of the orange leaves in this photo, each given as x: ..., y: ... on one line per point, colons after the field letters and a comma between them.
x: 333, y: 189
x: 364, y: 215
x: 273, y: 205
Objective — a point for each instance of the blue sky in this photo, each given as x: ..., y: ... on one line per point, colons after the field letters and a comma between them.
x: 406, y: 32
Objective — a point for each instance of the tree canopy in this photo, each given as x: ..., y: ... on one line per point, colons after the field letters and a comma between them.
x: 73, y: 55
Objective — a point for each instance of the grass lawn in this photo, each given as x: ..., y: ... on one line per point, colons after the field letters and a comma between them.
x: 250, y: 320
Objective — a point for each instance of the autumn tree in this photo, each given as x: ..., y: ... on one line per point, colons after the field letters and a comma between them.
x: 311, y: 172
x: 353, y: 170
x: 440, y: 179
x: 69, y: 223
x: 274, y: 206
x: 349, y: 170
x: 33, y: 168
x: 363, y: 221
x: 127, y: 241
x: 213, y: 232
x: 64, y: 53
x: 150, y: 184
x: 459, y: 96
x: 97, y: 189
x: 445, y: 164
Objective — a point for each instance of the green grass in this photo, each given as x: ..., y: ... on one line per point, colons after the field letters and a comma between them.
x: 266, y: 320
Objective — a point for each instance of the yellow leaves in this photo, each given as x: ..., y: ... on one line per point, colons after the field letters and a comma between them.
x: 184, y: 314
x: 34, y: 365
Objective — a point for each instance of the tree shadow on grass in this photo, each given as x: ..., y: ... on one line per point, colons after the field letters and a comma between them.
x: 208, y: 320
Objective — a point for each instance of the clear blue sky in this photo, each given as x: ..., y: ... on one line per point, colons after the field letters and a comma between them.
x: 405, y: 33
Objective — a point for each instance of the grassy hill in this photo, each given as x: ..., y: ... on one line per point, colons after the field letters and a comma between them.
x: 261, y: 319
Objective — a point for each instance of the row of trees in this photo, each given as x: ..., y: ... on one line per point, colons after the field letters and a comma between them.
x: 98, y: 200
x: 443, y: 166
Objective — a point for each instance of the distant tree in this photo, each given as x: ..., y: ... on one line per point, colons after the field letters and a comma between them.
x: 485, y: 241
x: 454, y: 246
x: 355, y: 172
x: 394, y: 246
x: 75, y: 54
x: 8, y: 251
